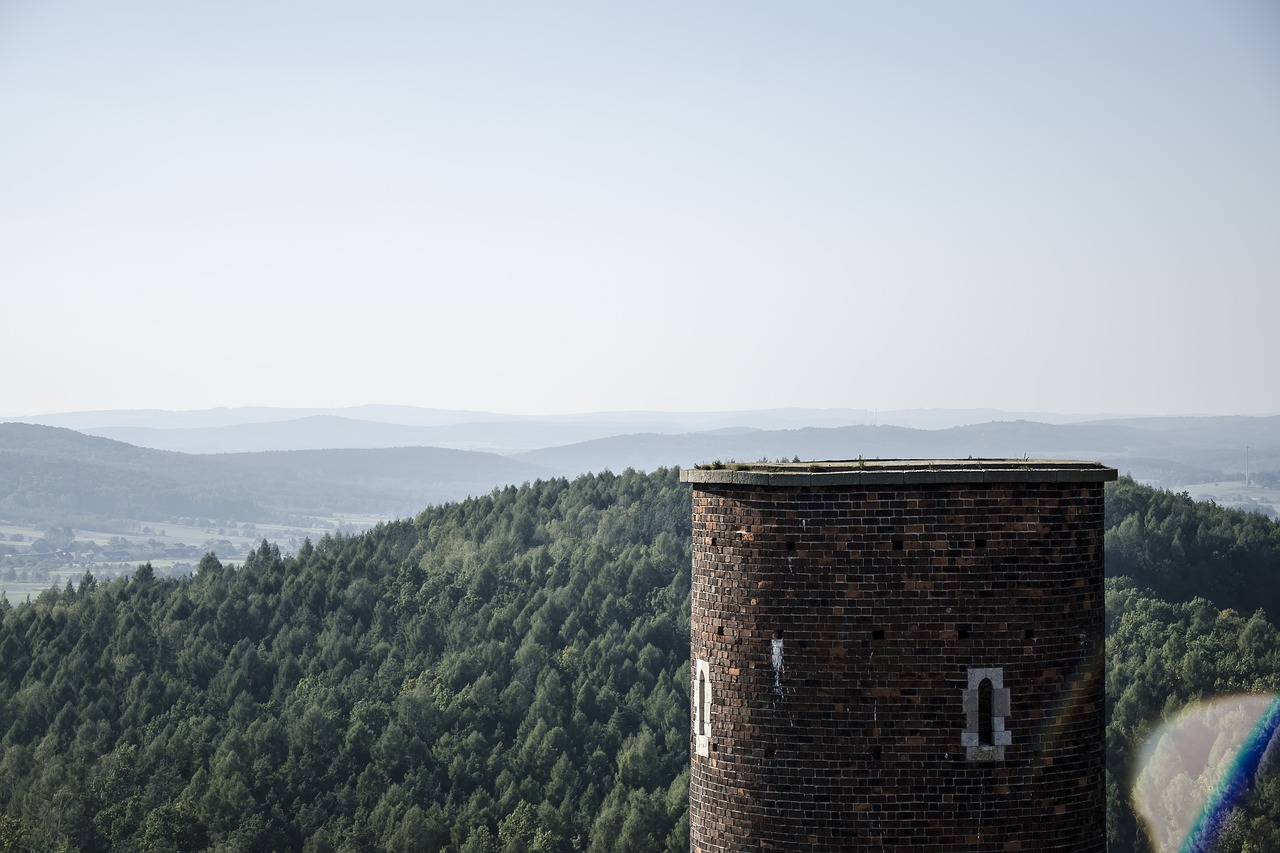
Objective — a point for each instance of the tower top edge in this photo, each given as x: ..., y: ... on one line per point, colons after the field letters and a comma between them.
x: 877, y: 472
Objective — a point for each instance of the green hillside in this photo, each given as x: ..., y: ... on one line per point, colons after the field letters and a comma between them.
x: 505, y: 673
x: 1181, y: 548
x: 509, y: 671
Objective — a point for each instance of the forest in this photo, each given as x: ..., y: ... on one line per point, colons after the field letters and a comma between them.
x: 504, y: 673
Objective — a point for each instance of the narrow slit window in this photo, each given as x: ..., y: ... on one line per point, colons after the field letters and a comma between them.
x: 702, y: 702
x: 984, y: 712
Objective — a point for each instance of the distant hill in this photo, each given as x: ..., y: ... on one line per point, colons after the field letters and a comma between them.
x: 1198, y: 450
x: 1165, y: 451
x: 51, y: 476
x: 390, y: 481
x: 262, y: 428
x: 219, y: 417
x: 320, y: 432
x: 54, y: 476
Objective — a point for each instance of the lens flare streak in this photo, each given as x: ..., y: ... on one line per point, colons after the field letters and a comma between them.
x: 1231, y: 790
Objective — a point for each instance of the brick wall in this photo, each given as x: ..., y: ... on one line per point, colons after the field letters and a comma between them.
x: 878, y: 601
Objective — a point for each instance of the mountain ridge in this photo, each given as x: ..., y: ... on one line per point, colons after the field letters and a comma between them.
x: 54, y: 475
x: 265, y: 428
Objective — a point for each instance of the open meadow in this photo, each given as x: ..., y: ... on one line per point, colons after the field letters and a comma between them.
x: 1235, y: 494
x: 171, y: 549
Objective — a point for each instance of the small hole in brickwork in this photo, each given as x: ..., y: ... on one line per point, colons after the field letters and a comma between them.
x: 897, y: 544
x: 719, y: 630
x: 791, y: 544
x: 980, y: 544
x: 713, y: 541
x: 962, y: 631
x: 877, y: 634
x: 1028, y: 634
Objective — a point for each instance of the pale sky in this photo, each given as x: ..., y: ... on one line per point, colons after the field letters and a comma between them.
x: 563, y: 207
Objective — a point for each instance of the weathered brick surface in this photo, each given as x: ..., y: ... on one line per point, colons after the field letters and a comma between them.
x: 885, y: 597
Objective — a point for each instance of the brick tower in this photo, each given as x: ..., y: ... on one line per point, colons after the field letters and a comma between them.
x: 898, y: 655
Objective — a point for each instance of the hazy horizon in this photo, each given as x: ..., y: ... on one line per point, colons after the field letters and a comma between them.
x: 869, y: 413
x: 567, y: 209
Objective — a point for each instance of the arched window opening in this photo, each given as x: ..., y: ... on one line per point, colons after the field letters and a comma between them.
x: 986, y: 706
x: 985, y: 717
x: 702, y: 702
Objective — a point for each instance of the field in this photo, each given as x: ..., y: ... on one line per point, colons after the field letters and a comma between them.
x: 1235, y: 494
x: 170, y: 548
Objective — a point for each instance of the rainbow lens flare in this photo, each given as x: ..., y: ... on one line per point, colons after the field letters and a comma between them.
x: 1200, y: 765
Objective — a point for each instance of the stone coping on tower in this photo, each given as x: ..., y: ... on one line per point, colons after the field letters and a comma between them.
x: 893, y: 472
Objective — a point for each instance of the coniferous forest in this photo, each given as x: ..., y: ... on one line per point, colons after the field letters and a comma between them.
x: 507, y: 673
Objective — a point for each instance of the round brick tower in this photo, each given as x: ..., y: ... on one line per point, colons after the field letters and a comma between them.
x: 898, y: 655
